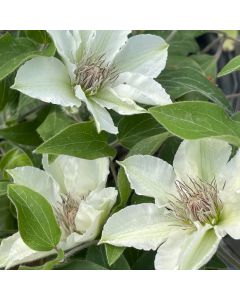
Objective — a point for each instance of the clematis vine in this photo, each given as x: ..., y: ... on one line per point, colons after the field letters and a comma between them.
x: 76, y: 190
x: 103, y: 69
x: 197, y: 203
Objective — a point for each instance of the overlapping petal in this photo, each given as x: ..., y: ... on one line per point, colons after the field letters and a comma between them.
x: 46, y: 79
x: 122, y: 104
x: 108, y: 43
x: 78, y: 176
x: 143, y: 226
x: 13, y: 251
x: 144, y: 53
x: 201, y: 159
x: 150, y: 176
x: 141, y: 88
x: 187, y: 250
x: 230, y: 220
x: 93, y: 212
x: 39, y: 181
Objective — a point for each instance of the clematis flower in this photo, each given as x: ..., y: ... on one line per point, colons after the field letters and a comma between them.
x: 103, y: 69
x: 76, y: 190
x: 197, y: 202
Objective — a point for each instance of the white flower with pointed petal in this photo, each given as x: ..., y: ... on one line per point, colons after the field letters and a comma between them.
x: 104, y: 69
x: 197, y: 202
x: 76, y: 190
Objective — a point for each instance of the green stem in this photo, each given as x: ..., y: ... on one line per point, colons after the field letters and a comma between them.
x: 226, y: 256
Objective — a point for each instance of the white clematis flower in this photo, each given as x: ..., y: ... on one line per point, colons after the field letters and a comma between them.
x: 76, y: 190
x: 104, y: 69
x: 197, y: 202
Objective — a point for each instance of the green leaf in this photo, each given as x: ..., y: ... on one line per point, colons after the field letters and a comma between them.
x: 113, y: 253
x: 169, y: 148
x: 145, y: 261
x: 185, y: 80
x: 80, y: 140
x: 138, y: 199
x: 15, y: 50
x: 97, y: 255
x: 149, y: 145
x: 232, y: 66
x: 124, y: 190
x: 56, y: 121
x: 36, y: 221
x: 133, y: 129
x: 25, y: 133
x: 215, y: 264
x: 22, y: 133
x: 208, y: 64
x: 236, y: 116
x: 194, y: 120
x: 3, y: 188
x: 15, y: 157
x: 39, y: 36
x: 181, y: 42
x: 27, y: 106
x: 49, y: 265
x: 7, y: 95
x: 78, y: 264
x: 176, y: 62
x: 8, y: 224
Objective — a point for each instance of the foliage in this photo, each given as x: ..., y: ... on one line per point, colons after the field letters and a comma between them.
x: 31, y: 129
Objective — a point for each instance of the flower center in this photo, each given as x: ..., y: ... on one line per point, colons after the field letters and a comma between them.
x: 66, y: 214
x: 197, y: 201
x: 92, y: 73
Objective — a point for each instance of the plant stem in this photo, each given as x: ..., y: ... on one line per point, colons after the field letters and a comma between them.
x: 79, y: 248
x: 113, y: 171
x: 226, y: 256
x: 211, y: 45
x: 171, y: 35
x: 114, y: 143
x: 233, y: 95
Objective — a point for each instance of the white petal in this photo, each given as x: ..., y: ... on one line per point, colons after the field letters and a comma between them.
x: 67, y: 44
x: 142, y: 226
x: 13, y: 251
x: 201, y: 247
x: 38, y: 181
x: 168, y: 254
x: 144, y: 53
x: 229, y: 179
x: 47, y: 79
x: 73, y: 240
x: 201, y: 159
x: 185, y: 250
x: 93, y: 211
x: 108, y: 43
x: 101, y: 116
x: 230, y: 220
x: 141, y: 88
x: 78, y: 176
x: 122, y: 105
x: 150, y: 176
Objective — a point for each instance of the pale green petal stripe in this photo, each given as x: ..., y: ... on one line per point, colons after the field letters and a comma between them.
x: 201, y: 247
x: 122, y: 105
